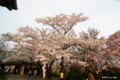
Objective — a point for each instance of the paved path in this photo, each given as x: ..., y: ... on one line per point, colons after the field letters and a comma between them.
x: 25, y: 77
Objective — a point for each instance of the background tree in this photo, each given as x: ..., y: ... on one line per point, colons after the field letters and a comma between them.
x: 92, y: 34
x: 104, y: 55
x: 4, y: 47
x: 113, y: 49
x: 89, y: 54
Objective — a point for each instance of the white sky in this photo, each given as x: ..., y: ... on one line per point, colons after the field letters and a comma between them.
x: 104, y: 14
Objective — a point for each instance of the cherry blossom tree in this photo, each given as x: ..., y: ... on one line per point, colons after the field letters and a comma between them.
x: 90, y: 35
x: 90, y: 54
x: 63, y: 24
x: 37, y: 45
x: 47, y: 45
x: 105, y: 55
x: 110, y: 51
x: 113, y: 48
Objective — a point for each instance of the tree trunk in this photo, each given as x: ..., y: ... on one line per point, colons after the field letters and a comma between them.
x: 55, y: 71
x: 86, y: 72
x: 40, y: 69
x: 67, y: 69
x: 48, y: 70
x: 48, y: 73
x: 99, y: 75
x: 110, y: 72
x: 63, y: 68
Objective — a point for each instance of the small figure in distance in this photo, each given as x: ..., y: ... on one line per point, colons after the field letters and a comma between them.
x: 29, y: 73
x: 35, y: 73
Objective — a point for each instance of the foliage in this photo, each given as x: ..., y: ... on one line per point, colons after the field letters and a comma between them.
x: 111, y: 72
x: 114, y: 71
x: 57, y: 75
x: 76, y: 72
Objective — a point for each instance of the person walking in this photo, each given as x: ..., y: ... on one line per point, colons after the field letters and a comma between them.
x: 35, y: 73
x: 61, y: 75
x: 90, y: 75
x: 29, y: 73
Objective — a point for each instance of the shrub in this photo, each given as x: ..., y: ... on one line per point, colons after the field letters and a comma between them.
x: 75, y: 73
x: 113, y: 72
x: 57, y: 75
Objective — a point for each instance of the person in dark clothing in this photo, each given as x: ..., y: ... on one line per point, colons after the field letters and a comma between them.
x: 9, y: 70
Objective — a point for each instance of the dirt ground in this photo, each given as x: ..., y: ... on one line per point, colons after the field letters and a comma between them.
x: 25, y: 77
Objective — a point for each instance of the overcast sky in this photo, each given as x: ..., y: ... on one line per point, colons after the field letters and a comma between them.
x: 104, y: 14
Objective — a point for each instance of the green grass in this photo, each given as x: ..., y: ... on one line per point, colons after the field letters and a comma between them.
x: 57, y: 75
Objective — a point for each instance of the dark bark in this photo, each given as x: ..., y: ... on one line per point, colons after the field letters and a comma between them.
x: 66, y: 31
x: 110, y: 70
x: 86, y: 72
x: 99, y: 75
x: 63, y: 68
x: 39, y: 69
x: 48, y: 70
